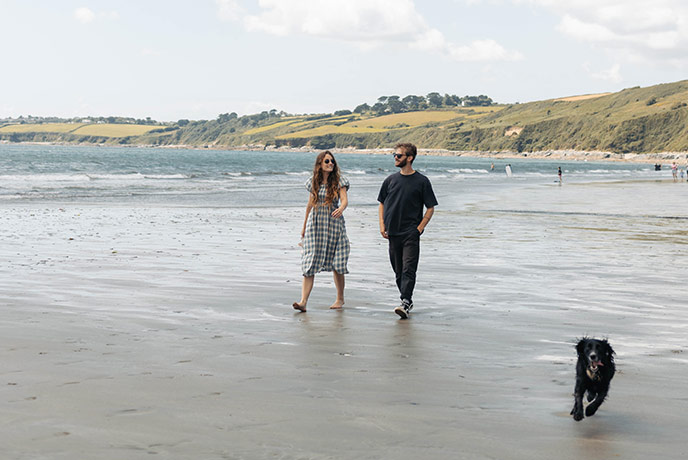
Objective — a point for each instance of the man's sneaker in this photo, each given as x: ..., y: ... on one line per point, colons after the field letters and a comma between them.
x: 404, y: 309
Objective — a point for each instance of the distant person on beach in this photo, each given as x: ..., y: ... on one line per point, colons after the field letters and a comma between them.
x: 674, y: 171
x: 402, y: 198
x: 324, y: 240
x: 658, y: 167
x: 491, y: 166
x: 508, y: 170
x: 559, y: 174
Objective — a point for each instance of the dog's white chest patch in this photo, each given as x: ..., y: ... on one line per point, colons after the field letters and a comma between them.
x: 593, y: 375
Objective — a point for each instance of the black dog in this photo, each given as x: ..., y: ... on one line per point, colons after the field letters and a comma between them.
x: 594, y: 372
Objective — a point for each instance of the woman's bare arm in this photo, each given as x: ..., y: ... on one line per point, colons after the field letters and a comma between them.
x: 343, y: 203
x: 309, y: 207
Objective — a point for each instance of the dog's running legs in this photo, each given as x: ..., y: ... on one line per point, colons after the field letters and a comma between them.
x: 591, y: 395
x: 577, y: 410
x: 593, y: 406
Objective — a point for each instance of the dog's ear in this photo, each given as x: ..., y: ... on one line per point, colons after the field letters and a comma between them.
x: 608, y: 348
x: 580, y: 346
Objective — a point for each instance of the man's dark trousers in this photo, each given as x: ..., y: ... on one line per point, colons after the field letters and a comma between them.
x: 404, y: 251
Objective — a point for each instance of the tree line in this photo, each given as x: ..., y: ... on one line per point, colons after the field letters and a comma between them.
x: 410, y: 103
x: 384, y: 105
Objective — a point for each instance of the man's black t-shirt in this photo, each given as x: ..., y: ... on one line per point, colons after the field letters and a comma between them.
x: 403, y: 198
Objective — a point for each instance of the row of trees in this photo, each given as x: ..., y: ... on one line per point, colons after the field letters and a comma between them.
x: 384, y: 105
x: 395, y: 104
x: 248, y: 120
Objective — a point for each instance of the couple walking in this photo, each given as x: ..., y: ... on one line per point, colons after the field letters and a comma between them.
x: 402, y: 197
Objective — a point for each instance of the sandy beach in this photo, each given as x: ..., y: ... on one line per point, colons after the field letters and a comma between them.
x: 131, y: 331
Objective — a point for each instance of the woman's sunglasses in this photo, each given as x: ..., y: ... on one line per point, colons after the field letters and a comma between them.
x: 327, y: 161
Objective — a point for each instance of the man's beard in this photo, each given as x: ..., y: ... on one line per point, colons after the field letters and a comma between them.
x: 402, y: 163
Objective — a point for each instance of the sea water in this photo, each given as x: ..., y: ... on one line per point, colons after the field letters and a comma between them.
x: 610, y: 241
x: 130, y: 175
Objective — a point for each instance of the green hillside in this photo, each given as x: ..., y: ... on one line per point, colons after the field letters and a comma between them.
x: 634, y: 120
x: 639, y: 120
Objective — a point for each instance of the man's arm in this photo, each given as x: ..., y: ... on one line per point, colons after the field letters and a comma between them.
x: 381, y: 212
x: 426, y: 219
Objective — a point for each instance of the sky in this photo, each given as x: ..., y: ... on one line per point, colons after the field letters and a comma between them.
x: 174, y: 59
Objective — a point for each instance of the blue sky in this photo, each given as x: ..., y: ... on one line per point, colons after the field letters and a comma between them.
x: 195, y: 59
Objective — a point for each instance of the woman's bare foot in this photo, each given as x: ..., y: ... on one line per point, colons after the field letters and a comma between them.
x: 337, y: 305
x: 299, y: 307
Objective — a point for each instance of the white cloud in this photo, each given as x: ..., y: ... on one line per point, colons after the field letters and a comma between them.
x: 483, y: 50
x: 649, y: 30
x: 612, y: 74
x: 367, y: 23
x: 349, y: 20
x: 229, y: 10
x: 84, y: 15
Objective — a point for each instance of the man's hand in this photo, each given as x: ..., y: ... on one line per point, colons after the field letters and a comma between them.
x: 384, y: 234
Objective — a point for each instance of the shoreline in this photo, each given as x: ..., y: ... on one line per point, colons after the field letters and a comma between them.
x: 568, y: 155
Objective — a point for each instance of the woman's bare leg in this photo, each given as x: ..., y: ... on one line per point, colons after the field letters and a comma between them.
x: 339, y: 283
x: 306, y: 288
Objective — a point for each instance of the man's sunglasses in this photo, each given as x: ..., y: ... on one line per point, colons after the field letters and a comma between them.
x: 327, y: 161
x: 398, y: 155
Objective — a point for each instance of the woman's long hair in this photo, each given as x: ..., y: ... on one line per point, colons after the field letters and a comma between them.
x: 332, y: 180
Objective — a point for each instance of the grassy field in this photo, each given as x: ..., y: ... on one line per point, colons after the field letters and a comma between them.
x: 582, y: 97
x: 332, y: 119
x: 114, y: 130
x: 42, y: 128
x: 262, y: 129
x: 331, y: 129
x: 81, y: 129
x: 380, y: 124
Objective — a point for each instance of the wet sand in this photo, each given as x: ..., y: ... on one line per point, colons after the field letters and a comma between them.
x: 133, y: 331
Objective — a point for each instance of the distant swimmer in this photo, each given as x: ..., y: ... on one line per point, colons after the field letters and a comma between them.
x: 508, y: 170
x: 559, y: 174
x: 491, y: 166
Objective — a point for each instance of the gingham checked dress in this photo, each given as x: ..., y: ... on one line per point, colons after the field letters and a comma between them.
x: 325, y: 244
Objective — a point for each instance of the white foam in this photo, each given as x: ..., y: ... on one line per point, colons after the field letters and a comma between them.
x: 130, y: 176
x: 45, y: 178
x: 468, y: 171
x: 165, y: 176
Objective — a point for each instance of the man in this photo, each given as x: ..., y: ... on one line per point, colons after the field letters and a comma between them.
x: 402, y: 197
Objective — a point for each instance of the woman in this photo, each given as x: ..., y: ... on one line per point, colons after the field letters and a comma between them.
x: 325, y: 244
